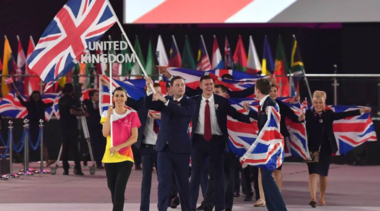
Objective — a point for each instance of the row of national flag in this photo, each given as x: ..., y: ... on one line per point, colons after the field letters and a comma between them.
x: 249, y: 63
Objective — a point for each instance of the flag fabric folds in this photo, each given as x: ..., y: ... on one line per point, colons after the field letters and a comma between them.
x: 174, y: 55
x: 267, y: 151
x: 217, y: 61
x: 187, y: 56
x: 268, y: 63
x: 280, y: 70
x: 203, y: 60
x: 161, y: 55
x: 297, y: 67
x: 240, y: 56
x: 67, y: 36
x: 253, y: 63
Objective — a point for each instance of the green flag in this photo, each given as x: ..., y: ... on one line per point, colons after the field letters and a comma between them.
x: 150, y: 65
x: 187, y: 56
x: 126, y: 66
x: 91, y: 75
x: 136, y: 70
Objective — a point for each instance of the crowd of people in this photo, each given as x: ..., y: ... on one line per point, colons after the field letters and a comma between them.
x: 158, y: 127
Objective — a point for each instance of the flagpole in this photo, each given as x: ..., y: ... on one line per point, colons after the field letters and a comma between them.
x: 304, y: 75
x: 129, y: 43
x: 110, y: 90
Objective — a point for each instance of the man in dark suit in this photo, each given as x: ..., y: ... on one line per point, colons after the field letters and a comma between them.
x: 173, y: 142
x: 94, y: 127
x: 230, y: 163
x: 210, y: 138
x: 274, y: 200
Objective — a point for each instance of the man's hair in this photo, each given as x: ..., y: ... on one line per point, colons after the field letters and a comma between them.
x: 68, y: 88
x: 92, y: 92
x: 222, y: 87
x: 227, y: 76
x: 174, y: 79
x: 206, y: 77
x: 264, y: 85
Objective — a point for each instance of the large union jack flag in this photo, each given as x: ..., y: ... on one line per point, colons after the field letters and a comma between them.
x: 267, y: 150
x: 352, y: 131
x: 241, y: 135
x: 66, y: 38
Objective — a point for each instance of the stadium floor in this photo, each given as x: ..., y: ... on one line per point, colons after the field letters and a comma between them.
x: 350, y: 188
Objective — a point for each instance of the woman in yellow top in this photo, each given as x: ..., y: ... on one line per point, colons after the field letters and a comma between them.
x: 118, y: 156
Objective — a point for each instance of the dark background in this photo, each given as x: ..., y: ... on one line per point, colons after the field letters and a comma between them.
x: 354, y: 47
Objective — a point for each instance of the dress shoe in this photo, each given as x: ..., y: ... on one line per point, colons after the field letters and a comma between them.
x: 66, y: 172
x: 236, y: 194
x: 313, y: 204
x: 78, y: 172
x: 248, y: 198
x: 202, y: 207
x: 175, y: 202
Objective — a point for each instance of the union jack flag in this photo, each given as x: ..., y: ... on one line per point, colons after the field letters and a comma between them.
x: 49, y: 98
x: 242, y: 135
x: 11, y: 106
x: 352, y: 131
x: 55, y: 105
x: 240, y: 80
x: 268, y: 149
x: 297, y: 143
x: 66, y: 38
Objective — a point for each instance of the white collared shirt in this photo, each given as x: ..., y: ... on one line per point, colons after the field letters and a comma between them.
x: 263, y: 100
x: 179, y: 99
x: 150, y: 137
x: 215, y: 129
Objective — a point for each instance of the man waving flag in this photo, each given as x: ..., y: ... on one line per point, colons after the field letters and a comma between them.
x: 67, y: 36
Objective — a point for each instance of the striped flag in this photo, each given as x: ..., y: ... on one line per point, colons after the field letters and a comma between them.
x: 203, y: 60
x: 217, y: 61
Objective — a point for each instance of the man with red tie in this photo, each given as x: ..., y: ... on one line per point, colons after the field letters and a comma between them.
x: 210, y: 138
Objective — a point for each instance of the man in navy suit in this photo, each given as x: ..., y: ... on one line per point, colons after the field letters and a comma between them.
x: 274, y: 200
x: 210, y: 138
x: 173, y: 143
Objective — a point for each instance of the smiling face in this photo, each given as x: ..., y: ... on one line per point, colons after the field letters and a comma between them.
x: 273, y: 93
x: 207, y: 86
x: 318, y: 104
x: 120, y: 97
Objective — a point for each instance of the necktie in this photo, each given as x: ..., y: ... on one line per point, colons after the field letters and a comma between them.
x: 95, y: 106
x: 176, y: 102
x: 207, y: 132
x: 156, y: 128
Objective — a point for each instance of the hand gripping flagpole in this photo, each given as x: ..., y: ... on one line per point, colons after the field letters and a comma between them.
x: 129, y: 44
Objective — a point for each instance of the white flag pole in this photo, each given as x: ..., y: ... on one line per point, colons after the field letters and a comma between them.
x: 129, y: 43
x: 111, y: 105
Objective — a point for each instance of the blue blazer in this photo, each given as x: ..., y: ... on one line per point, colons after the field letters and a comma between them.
x: 174, y: 128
